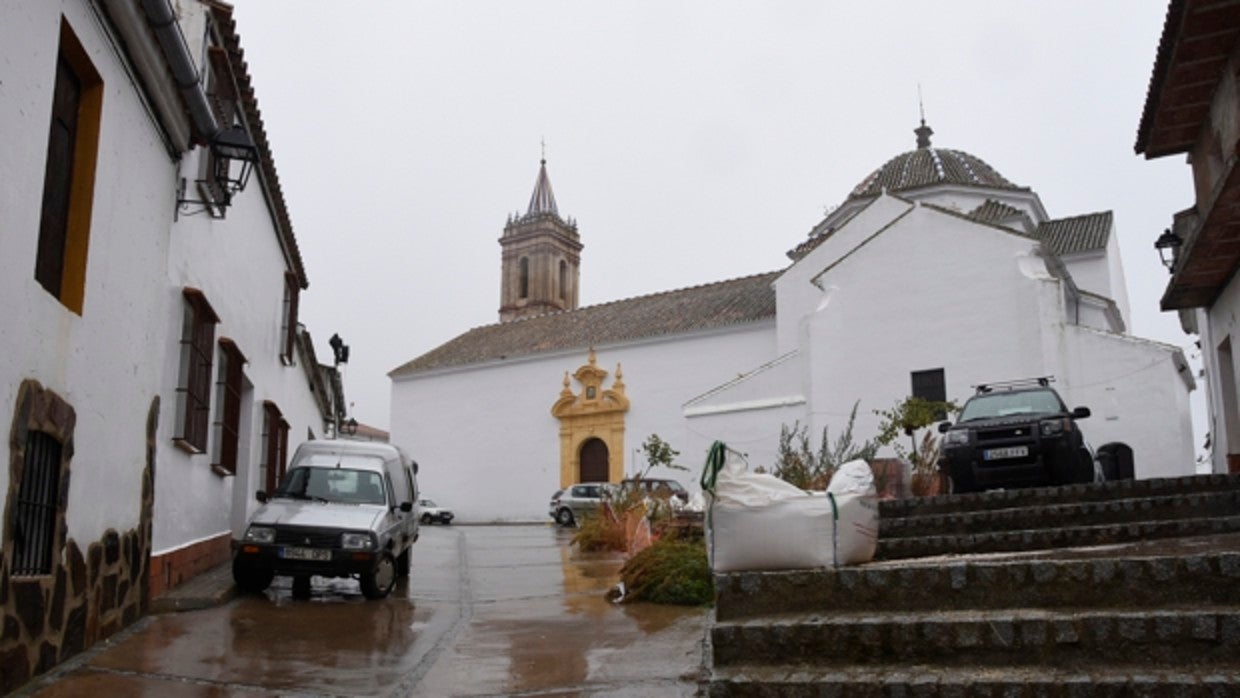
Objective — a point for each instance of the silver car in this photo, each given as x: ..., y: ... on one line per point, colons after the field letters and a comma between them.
x: 571, y: 503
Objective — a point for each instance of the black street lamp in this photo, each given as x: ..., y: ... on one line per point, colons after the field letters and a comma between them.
x: 1168, y: 245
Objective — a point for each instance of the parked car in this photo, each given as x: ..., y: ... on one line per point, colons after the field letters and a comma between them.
x: 343, y: 509
x: 657, y: 487
x: 433, y: 513
x: 1016, y: 434
x: 571, y: 503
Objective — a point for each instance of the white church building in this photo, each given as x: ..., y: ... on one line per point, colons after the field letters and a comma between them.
x: 934, y: 275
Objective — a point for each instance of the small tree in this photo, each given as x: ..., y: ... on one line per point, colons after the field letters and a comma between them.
x: 906, y: 418
x: 659, y: 453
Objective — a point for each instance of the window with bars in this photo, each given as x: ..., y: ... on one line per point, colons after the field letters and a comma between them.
x: 275, y: 446
x: 69, y: 174
x: 228, y: 387
x: 931, y: 385
x: 194, y: 387
x: 289, y: 324
x: 34, y: 513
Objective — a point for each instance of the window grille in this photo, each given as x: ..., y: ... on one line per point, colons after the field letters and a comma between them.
x: 194, y: 390
x: 228, y: 407
x: 34, y: 516
x: 289, y: 325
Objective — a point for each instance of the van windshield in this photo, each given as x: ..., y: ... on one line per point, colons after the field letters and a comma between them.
x: 343, y: 485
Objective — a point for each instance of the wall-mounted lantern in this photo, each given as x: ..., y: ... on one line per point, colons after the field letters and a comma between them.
x: 1168, y: 245
x: 230, y: 145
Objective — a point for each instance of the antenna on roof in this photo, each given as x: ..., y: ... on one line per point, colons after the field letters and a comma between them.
x: 923, y: 132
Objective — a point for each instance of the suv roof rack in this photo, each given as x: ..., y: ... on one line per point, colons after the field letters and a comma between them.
x: 1042, y: 381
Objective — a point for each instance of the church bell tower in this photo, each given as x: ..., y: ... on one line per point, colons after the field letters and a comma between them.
x: 541, y: 258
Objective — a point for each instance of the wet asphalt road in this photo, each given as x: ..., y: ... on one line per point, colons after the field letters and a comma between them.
x: 488, y: 611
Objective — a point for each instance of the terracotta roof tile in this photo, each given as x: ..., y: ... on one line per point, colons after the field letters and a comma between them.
x: 994, y: 212
x: 732, y: 302
x: 1077, y: 234
x: 929, y: 166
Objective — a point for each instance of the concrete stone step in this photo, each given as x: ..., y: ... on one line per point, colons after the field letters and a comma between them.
x: 990, y: 541
x: 1118, y: 511
x: 1147, y: 575
x: 932, y: 681
x: 1181, y: 637
x: 1040, y: 496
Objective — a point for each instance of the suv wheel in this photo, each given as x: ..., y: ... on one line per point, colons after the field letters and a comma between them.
x: 564, y: 517
x: 378, y: 583
x: 962, y: 479
x: 250, y: 579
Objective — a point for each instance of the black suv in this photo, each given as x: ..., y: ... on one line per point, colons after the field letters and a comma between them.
x: 1016, y: 434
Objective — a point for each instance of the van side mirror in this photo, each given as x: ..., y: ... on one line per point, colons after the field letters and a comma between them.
x: 406, y: 507
x: 1080, y: 413
x: 415, y: 467
x: 261, y: 496
x: 944, y: 426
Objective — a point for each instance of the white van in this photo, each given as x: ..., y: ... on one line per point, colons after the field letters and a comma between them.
x: 343, y: 509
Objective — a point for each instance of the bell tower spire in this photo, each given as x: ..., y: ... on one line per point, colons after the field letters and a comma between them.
x: 541, y: 257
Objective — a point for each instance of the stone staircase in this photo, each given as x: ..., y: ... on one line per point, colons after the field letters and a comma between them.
x: 1109, y: 513
x: 981, y: 594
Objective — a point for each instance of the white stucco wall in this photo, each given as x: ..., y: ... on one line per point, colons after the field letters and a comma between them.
x: 104, y: 362
x: 978, y: 316
x: 489, y: 448
x: 1222, y: 324
x: 1136, y: 390
x: 239, y: 265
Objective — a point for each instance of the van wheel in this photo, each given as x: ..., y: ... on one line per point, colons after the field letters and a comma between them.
x: 565, y: 517
x: 250, y: 579
x: 403, y: 563
x: 301, y: 586
x: 426, y: 519
x: 378, y: 583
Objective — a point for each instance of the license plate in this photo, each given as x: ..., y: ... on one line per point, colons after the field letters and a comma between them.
x: 315, y: 554
x: 1001, y: 453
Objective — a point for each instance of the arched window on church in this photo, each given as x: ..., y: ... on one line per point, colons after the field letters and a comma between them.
x: 563, y: 280
x: 525, y: 277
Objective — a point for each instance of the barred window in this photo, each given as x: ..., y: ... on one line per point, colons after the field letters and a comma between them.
x: 194, y: 387
x: 275, y: 446
x: 289, y: 325
x: 228, y: 389
x: 34, y: 515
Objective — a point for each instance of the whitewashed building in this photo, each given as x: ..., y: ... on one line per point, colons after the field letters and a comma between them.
x: 935, y: 274
x: 1192, y: 108
x: 152, y: 368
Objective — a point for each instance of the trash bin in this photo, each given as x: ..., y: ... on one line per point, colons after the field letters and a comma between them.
x: 1116, y: 461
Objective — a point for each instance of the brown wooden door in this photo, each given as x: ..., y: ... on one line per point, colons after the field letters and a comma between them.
x: 594, y: 465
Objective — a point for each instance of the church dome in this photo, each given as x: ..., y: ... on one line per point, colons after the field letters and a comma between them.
x: 928, y: 166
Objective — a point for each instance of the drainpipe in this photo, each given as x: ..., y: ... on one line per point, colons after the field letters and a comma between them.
x: 163, y: 21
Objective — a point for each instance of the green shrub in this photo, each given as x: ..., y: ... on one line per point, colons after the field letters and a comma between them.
x: 671, y: 571
x: 599, y: 533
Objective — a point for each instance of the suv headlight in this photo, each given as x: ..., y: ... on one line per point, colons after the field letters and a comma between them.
x: 956, y: 437
x: 356, y: 541
x: 260, y: 534
x: 1055, y: 427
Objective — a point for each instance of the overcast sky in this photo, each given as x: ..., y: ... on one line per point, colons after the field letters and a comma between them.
x: 692, y: 141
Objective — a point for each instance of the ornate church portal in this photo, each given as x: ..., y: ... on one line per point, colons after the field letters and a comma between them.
x: 591, y: 426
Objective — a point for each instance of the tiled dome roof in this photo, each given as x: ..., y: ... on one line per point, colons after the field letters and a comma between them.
x: 926, y: 166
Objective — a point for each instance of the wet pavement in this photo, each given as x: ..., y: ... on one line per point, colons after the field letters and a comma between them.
x: 488, y: 611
